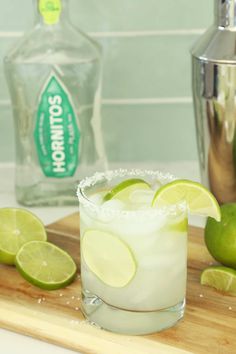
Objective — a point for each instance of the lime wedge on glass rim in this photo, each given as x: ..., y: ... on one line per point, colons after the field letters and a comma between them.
x: 108, y: 257
x: 199, y: 200
x: 45, y: 265
x: 18, y: 226
x: 123, y: 190
x: 220, y: 278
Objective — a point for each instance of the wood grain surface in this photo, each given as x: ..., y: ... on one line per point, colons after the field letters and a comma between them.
x: 209, y: 325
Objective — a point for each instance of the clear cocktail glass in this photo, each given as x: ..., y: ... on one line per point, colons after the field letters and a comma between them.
x: 133, y: 256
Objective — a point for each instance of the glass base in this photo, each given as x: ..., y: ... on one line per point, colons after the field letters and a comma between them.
x: 43, y: 194
x: 123, y: 321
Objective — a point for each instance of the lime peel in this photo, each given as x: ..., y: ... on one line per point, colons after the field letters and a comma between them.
x: 220, y: 237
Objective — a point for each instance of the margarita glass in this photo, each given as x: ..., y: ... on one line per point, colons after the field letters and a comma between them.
x: 133, y: 255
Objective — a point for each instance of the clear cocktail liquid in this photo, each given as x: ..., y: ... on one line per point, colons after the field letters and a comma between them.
x: 54, y: 77
x: 156, y: 239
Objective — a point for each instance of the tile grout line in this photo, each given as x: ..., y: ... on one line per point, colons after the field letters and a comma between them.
x: 9, y: 34
x: 148, y: 101
x: 7, y: 164
x: 179, y: 32
x: 131, y: 101
x: 111, y: 34
x: 5, y: 102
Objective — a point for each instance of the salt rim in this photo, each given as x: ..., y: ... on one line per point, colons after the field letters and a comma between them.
x: 108, y: 175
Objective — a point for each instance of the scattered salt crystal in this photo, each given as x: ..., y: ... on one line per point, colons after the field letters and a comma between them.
x: 43, y: 299
x: 60, y: 294
x: 72, y: 297
x: 78, y: 298
x: 67, y: 302
x: 230, y: 308
x: 201, y: 295
x: 77, y: 308
x: 39, y: 301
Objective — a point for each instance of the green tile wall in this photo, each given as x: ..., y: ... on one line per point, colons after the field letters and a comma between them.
x: 146, y: 58
x: 154, y: 132
x: 147, y: 66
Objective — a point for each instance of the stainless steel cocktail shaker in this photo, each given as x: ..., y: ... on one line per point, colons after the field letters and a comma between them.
x: 214, y: 95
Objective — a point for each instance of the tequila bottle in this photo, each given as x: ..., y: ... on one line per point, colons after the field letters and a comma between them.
x: 54, y: 79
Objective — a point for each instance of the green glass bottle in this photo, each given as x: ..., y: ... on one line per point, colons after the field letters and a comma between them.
x: 54, y: 79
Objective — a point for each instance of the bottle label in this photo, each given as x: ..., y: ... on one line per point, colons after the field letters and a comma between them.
x: 56, y: 133
x: 50, y: 10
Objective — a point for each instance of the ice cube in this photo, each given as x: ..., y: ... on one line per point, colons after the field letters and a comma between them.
x: 106, y: 212
x: 97, y: 198
x: 156, y: 185
x: 114, y: 204
x: 142, y: 196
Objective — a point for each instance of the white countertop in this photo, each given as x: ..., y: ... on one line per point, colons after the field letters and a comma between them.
x: 12, y: 343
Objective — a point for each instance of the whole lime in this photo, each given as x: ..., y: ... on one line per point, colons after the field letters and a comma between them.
x: 220, y: 237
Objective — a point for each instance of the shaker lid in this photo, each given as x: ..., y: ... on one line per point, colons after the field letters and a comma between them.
x: 217, y: 44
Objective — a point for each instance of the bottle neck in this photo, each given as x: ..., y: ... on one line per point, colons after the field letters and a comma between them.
x: 225, y: 13
x: 51, y: 12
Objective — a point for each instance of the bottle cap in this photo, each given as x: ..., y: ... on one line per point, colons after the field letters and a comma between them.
x: 50, y: 11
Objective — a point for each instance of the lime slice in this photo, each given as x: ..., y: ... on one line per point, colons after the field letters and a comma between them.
x: 123, y: 190
x: 18, y: 226
x: 108, y: 257
x: 220, y: 278
x: 180, y: 225
x: 45, y: 265
x: 199, y: 200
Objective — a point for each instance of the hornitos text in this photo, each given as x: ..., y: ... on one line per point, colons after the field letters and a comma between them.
x: 57, y: 133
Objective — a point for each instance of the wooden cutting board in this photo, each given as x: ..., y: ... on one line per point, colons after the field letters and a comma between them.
x: 209, y: 325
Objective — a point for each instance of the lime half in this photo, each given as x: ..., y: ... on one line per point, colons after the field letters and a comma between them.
x: 220, y: 237
x: 18, y: 226
x: 220, y: 278
x: 108, y: 257
x: 123, y: 190
x: 198, y: 199
x: 45, y: 265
